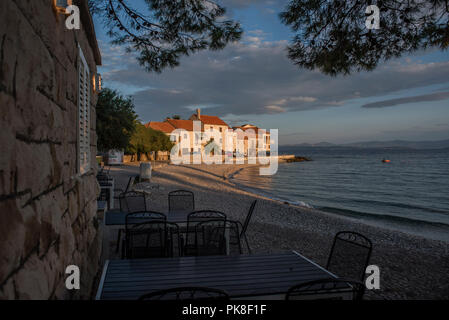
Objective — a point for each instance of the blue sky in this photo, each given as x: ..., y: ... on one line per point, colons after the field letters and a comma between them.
x: 254, y: 82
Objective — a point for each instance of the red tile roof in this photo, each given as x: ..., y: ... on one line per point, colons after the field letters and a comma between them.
x: 160, y: 126
x: 211, y: 120
x: 181, y: 124
x: 247, y: 128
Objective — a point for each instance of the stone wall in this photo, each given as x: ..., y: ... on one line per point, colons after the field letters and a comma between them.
x: 47, y: 210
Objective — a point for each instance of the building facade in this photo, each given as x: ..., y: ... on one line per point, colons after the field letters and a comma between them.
x: 253, y: 139
x: 48, y: 186
x: 246, y: 140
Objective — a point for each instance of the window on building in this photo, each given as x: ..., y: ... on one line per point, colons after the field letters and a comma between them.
x: 83, y: 114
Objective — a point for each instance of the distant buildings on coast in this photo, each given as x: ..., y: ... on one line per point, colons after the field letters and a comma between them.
x: 200, y: 131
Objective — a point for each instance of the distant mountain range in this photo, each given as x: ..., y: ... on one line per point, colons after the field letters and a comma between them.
x: 440, y: 144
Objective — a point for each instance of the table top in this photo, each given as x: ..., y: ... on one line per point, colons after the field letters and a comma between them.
x: 118, y: 218
x: 101, y: 205
x: 240, y: 276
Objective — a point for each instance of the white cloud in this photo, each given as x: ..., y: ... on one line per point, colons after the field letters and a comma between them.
x: 303, y: 99
x: 274, y: 109
x: 245, y: 79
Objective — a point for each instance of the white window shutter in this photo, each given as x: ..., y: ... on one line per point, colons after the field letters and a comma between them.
x: 84, y: 114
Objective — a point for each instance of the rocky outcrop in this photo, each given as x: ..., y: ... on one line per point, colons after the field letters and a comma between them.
x: 297, y: 159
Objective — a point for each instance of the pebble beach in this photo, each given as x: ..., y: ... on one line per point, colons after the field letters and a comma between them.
x: 411, y: 267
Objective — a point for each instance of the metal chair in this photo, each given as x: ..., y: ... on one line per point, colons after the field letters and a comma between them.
x: 132, y: 202
x: 187, y: 293
x: 193, y: 219
x: 104, y: 195
x: 119, y: 191
x: 349, y: 256
x: 181, y: 201
x: 234, y: 239
x: 201, y: 215
x: 148, y: 234
x: 210, y: 238
x: 327, y: 289
x: 246, y: 223
x: 142, y: 216
x: 103, y: 178
x: 152, y: 239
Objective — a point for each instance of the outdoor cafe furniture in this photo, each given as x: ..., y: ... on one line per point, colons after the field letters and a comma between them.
x: 150, y: 235
x: 116, y: 219
x: 261, y: 276
x: 129, y: 185
x: 130, y: 201
x: 107, y: 188
x: 181, y: 201
x: 245, y: 224
x: 349, y: 255
x: 327, y: 289
x: 187, y: 293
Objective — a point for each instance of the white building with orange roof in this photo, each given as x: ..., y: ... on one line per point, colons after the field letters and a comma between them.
x: 194, y: 134
x: 252, y: 139
x: 211, y: 125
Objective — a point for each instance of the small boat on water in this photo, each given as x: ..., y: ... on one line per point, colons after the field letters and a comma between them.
x: 385, y: 161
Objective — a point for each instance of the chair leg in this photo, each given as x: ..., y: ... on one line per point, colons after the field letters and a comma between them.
x: 118, y: 240
x: 181, y: 249
x: 247, y: 243
x: 123, y: 249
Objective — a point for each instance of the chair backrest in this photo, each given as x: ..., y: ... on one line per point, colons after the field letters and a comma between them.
x: 130, y: 183
x: 102, y: 178
x: 248, y: 217
x: 349, y: 256
x: 181, y: 201
x: 104, y: 194
x: 142, y: 216
x: 327, y: 289
x: 197, y: 216
x: 210, y: 237
x: 148, y: 239
x: 132, y: 202
x: 187, y: 293
x: 235, y: 245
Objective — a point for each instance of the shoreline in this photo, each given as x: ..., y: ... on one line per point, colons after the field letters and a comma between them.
x: 392, y: 223
x: 412, y: 267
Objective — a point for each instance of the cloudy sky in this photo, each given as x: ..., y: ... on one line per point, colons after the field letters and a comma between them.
x: 254, y: 82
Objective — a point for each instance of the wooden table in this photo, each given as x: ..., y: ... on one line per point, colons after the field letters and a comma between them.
x: 266, y: 276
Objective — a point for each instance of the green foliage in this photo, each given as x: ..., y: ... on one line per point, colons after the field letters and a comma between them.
x: 115, y: 120
x: 176, y: 117
x: 167, y: 30
x: 332, y: 36
x: 145, y: 140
